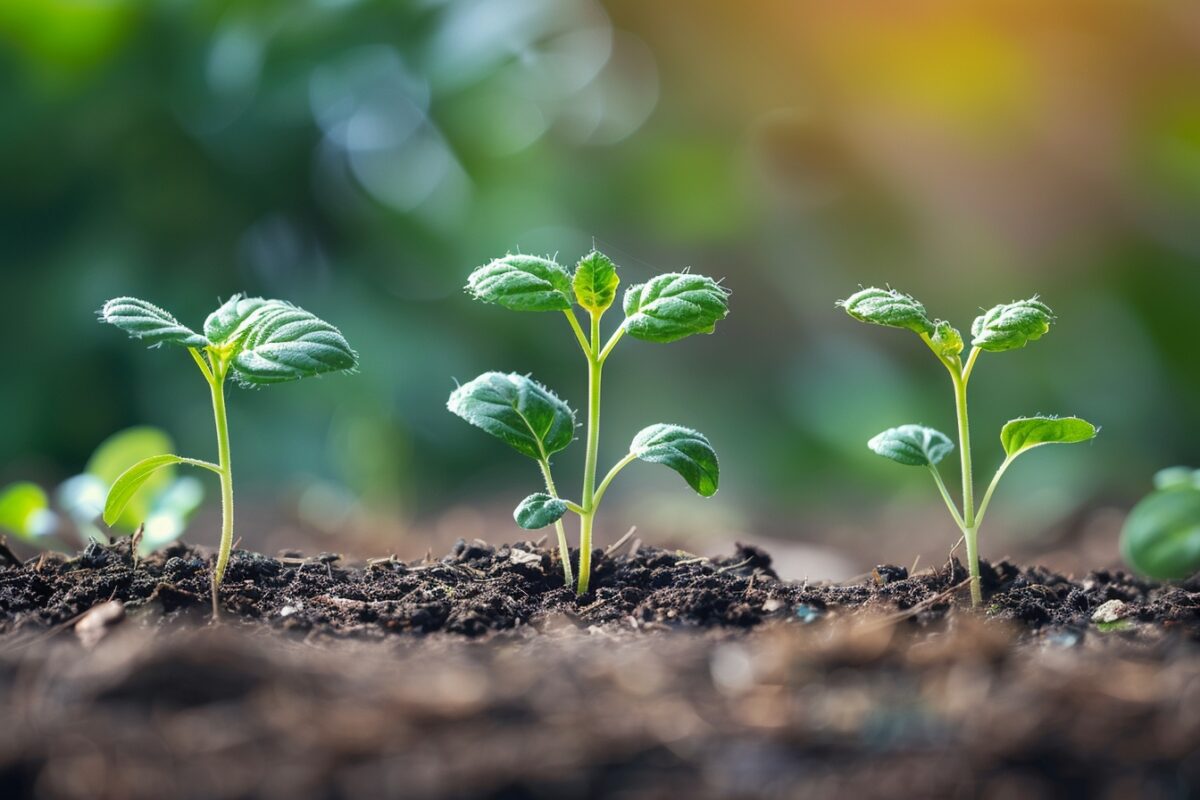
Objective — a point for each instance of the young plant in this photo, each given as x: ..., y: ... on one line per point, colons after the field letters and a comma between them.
x: 536, y: 423
x: 256, y: 341
x: 1006, y: 327
x: 1161, y: 537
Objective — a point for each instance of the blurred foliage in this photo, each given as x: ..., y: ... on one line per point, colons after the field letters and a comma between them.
x: 360, y: 157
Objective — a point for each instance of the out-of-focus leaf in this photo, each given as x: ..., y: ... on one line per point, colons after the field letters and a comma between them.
x: 24, y: 510
x: 1161, y: 537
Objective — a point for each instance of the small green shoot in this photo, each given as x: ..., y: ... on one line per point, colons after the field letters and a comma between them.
x: 1161, y: 537
x: 1009, y: 326
x: 255, y: 341
x: 534, y: 421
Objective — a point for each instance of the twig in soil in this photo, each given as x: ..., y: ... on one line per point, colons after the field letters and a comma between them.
x: 541, y: 541
x: 731, y: 567
x: 615, y: 546
x: 635, y: 547
x: 917, y: 560
x: 135, y: 543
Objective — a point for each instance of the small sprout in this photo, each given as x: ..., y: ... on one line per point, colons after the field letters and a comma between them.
x: 1005, y: 327
x: 1161, y: 537
x: 535, y: 422
x: 258, y: 342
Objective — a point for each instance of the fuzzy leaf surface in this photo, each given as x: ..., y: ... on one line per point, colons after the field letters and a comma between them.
x: 595, y: 282
x: 675, y: 305
x: 1010, y: 326
x: 1020, y: 435
x: 522, y: 283
x: 539, y: 510
x: 946, y: 339
x: 518, y: 410
x: 278, y: 342
x: 888, y: 307
x: 684, y: 450
x: 912, y: 445
x: 222, y: 323
x: 1161, y: 537
x: 148, y: 322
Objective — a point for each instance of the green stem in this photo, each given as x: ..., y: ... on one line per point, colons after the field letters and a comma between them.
x: 937, y: 477
x: 971, y: 537
x: 217, y: 384
x: 588, y: 500
x: 987, y: 497
x: 970, y: 526
x: 564, y: 553
x: 612, y: 473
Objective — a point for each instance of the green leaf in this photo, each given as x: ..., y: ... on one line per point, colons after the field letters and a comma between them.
x: 518, y: 410
x: 682, y: 449
x: 1011, y: 325
x: 25, y: 510
x: 522, y: 283
x: 595, y: 282
x: 131, y: 480
x: 1177, y: 478
x: 148, y: 322
x: 888, y: 307
x: 113, y: 457
x: 946, y: 339
x: 539, y: 510
x: 223, y: 322
x: 1026, y: 433
x: 912, y: 445
x: 1161, y: 537
x: 675, y: 305
x: 280, y: 342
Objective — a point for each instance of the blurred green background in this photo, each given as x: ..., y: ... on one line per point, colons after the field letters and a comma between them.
x: 360, y: 157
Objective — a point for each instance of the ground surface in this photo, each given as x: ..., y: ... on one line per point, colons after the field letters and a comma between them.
x: 478, y: 674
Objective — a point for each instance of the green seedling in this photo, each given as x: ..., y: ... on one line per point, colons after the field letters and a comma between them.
x: 257, y: 342
x: 1161, y: 537
x: 1010, y: 326
x: 535, y: 422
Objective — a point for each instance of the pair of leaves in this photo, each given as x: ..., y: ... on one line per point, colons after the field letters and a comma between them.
x: 919, y: 446
x: 1005, y: 327
x: 664, y: 309
x: 266, y: 341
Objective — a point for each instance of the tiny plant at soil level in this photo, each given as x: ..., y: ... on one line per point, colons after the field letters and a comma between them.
x: 1006, y: 327
x: 535, y: 422
x: 256, y: 341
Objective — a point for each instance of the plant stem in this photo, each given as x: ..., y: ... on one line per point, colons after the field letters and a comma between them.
x: 588, y: 500
x: 217, y: 384
x: 970, y: 528
x: 971, y: 537
x: 564, y: 552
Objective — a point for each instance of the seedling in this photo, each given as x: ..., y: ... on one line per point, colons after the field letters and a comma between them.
x: 535, y: 422
x: 1010, y: 326
x: 1161, y: 537
x: 256, y: 341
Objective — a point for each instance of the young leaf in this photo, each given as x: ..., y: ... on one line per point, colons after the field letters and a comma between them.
x: 673, y: 306
x: 684, y: 450
x: 539, y: 510
x: 595, y: 282
x: 912, y: 445
x: 1011, y: 325
x: 1027, y: 433
x: 1161, y: 538
x: 518, y: 410
x: 232, y: 313
x: 522, y: 283
x: 888, y: 307
x: 280, y: 342
x: 113, y: 457
x: 148, y: 322
x: 946, y: 339
x: 25, y: 510
x: 132, y: 479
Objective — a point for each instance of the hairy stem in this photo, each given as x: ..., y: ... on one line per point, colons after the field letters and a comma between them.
x: 564, y: 552
x: 225, y: 465
x: 588, y: 500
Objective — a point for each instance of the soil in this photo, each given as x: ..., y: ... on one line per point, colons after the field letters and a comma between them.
x: 480, y: 675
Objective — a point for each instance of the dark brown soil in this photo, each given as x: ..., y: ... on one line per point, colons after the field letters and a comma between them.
x: 479, y: 675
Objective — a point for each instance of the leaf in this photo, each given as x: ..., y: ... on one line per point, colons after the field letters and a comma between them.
x: 675, y: 305
x: 946, y: 339
x: 682, y: 449
x: 522, y: 283
x: 222, y: 323
x: 1026, y: 433
x: 280, y: 342
x: 1012, y: 325
x: 1177, y: 478
x: 1161, y: 537
x: 517, y: 410
x: 888, y: 307
x: 25, y: 510
x: 912, y: 445
x: 113, y: 457
x: 132, y: 479
x: 539, y: 510
x: 595, y: 282
x: 148, y: 322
